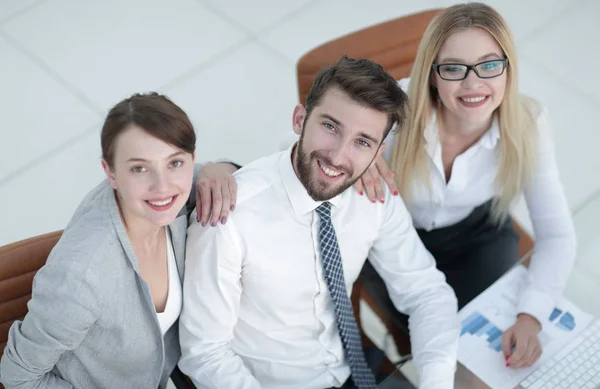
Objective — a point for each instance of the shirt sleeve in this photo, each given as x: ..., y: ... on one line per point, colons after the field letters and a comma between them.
x: 211, y: 299
x: 555, y: 243
x: 418, y: 289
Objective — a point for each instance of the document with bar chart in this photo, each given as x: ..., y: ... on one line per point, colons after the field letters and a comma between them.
x: 485, y: 318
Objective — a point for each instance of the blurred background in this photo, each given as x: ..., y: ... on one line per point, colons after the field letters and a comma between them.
x: 231, y: 65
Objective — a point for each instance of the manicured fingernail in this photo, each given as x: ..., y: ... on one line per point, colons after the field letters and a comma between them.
x: 506, y: 357
x: 214, y: 224
x: 223, y: 220
x: 382, y: 201
x: 507, y: 364
x: 360, y: 193
x: 373, y: 200
x: 395, y: 193
x: 203, y: 224
x: 232, y: 207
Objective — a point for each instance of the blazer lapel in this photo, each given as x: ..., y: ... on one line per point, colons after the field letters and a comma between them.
x: 178, y: 231
x: 113, y: 209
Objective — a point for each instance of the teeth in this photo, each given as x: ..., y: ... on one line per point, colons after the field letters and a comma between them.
x: 329, y: 172
x: 161, y: 203
x: 472, y: 99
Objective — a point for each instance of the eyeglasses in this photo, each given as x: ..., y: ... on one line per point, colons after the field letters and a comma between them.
x: 459, y: 71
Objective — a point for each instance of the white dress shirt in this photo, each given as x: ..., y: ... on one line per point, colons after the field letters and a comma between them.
x: 257, y: 311
x: 472, y: 183
x: 169, y: 315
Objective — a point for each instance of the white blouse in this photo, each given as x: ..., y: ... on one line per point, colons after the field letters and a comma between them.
x: 473, y: 183
x: 174, y: 297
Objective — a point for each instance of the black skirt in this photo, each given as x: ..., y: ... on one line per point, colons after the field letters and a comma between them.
x: 472, y: 254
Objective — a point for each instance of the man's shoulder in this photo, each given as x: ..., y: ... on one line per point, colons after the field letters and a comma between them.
x: 256, y: 185
x: 257, y: 177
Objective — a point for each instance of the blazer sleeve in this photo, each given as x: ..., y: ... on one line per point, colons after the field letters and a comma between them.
x: 63, y: 306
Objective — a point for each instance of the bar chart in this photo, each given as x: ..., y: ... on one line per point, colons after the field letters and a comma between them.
x: 563, y: 320
x: 485, y: 320
x: 478, y: 325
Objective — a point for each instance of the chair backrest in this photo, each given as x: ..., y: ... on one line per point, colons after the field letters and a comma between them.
x: 19, y: 262
x: 393, y: 45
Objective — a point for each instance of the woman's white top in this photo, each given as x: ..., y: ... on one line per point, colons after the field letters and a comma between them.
x: 172, y: 309
x: 472, y: 183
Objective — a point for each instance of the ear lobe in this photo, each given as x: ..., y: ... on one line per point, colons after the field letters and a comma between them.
x: 298, y: 119
x: 433, y: 79
x: 381, y: 148
x: 109, y: 174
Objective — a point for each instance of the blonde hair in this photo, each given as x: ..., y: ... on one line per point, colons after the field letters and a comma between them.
x: 518, y: 134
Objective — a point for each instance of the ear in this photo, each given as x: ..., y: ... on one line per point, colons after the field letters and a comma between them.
x: 298, y: 119
x: 433, y: 78
x: 109, y: 174
x: 381, y: 148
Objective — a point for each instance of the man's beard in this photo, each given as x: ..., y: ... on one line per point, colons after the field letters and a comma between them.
x: 317, y: 189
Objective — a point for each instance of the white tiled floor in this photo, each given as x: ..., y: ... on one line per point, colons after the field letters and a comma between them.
x: 217, y: 99
x: 107, y: 49
x: 38, y: 112
x: 574, y: 56
x: 257, y: 15
x: 231, y: 65
x: 10, y: 8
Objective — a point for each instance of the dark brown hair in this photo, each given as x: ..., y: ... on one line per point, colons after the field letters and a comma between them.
x: 155, y: 114
x: 365, y: 82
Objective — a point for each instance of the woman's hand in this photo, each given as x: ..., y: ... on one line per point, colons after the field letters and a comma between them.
x: 216, y: 193
x: 371, y: 180
x: 524, y: 336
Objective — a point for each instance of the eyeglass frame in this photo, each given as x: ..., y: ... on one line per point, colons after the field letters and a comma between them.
x: 436, y: 68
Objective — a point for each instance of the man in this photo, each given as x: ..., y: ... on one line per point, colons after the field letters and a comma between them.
x: 266, y: 295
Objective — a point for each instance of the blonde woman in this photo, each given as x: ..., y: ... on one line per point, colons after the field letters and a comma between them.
x: 471, y: 146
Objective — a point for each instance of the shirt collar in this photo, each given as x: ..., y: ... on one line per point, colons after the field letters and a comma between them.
x: 301, y: 202
x: 489, y: 140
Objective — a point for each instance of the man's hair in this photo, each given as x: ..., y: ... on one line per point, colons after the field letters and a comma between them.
x: 365, y: 82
